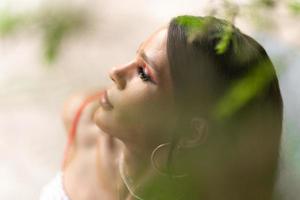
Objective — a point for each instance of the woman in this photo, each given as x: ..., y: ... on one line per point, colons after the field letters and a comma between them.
x: 196, y: 114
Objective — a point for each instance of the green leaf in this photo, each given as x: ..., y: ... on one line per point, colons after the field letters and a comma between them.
x: 243, y: 91
x: 294, y: 6
x: 190, y: 22
x: 8, y: 23
x: 224, y: 42
x: 55, y: 27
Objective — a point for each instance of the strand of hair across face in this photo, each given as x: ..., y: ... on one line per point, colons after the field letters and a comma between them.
x: 74, y: 125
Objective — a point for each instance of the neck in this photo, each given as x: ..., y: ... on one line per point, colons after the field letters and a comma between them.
x: 137, y: 173
x: 134, y: 165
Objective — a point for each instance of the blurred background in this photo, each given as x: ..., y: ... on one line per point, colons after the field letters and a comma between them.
x: 50, y: 50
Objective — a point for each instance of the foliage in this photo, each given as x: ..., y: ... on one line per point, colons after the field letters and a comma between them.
x: 190, y: 21
x: 9, y: 23
x: 224, y: 42
x: 54, y: 25
x: 243, y: 91
x: 294, y: 6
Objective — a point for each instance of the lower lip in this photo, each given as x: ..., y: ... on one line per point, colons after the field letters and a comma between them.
x: 105, y: 104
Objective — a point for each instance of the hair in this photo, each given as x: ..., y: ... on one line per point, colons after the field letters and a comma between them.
x: 226, y: 77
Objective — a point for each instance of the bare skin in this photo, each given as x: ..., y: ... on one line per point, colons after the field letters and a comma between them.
x: 132, y: 129
x: 91, y: 170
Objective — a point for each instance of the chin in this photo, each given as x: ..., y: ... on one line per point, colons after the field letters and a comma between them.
x: 103, y: 120
x: 100, y: 119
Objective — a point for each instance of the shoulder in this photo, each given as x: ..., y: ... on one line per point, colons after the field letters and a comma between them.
x: 88, y: 134
x: 87, y: 131
x: 71, y: 106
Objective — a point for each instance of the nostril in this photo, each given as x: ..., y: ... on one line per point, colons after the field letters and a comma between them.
x: 115, y: 76
x: 112, y: 78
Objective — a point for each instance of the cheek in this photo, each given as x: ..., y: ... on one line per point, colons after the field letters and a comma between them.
x: 132, y: 110
x: 141, y: 108
x: 146, y: 113
x: 136, y: 104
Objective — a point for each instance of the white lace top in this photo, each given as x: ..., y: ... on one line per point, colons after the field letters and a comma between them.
x: 55, y: 189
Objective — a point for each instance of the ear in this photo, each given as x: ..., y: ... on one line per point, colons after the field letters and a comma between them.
x: 198, y: 127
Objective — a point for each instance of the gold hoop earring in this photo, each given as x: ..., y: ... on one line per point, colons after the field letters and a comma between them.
x: 155, y: 166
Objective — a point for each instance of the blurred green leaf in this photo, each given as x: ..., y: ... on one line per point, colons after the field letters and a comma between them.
x: 56, y: 25
x: 191, y: 22
x: 9, y: 23
x: 243, y: 91
x: 294, y: 6
x: 52, y: 40
x: 224, y: 42
x: 267, y: 3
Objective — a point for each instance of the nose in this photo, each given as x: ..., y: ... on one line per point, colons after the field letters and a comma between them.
x: 117, y: 76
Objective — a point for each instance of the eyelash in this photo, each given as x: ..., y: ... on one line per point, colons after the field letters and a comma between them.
x: 142, y: 74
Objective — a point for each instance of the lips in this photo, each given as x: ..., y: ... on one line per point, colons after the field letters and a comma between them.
x: 104, y: 102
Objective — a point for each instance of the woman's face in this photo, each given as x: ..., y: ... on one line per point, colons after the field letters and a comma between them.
x: 140, y: 101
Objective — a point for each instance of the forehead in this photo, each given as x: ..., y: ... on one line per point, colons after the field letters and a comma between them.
x: 156, y: 40
x: 155, y: 47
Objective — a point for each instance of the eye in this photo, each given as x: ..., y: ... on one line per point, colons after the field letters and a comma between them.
x: 142, y: 74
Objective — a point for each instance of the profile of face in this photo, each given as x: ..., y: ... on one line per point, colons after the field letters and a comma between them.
x: 139, y: 106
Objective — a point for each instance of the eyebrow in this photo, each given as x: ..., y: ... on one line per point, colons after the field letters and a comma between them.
x: 146, y: 58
